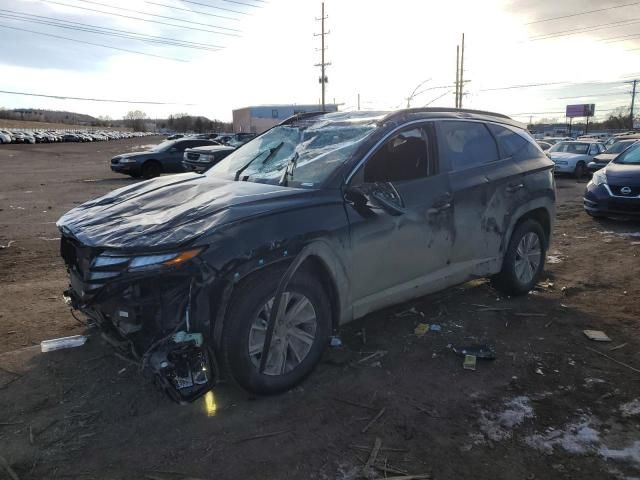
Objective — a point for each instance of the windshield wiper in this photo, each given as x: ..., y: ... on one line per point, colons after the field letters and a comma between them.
x: 272, y: 151
x: 288, y: 172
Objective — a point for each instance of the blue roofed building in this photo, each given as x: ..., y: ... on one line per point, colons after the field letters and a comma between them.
x: 257, y: 119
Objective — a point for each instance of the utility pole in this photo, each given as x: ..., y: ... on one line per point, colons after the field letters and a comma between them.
x: 323, y: 78
x: 633, y: 100
x: 457, y: 75
x: 461, y: 75
x: 358, y: 102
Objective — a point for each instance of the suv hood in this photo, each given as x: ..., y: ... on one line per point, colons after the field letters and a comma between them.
x: 605, y: 157
x: 171, y: 211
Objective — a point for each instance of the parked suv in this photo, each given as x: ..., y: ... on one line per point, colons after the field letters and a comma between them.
x: 163, y: 158
x: 201, y: 159
x: 318, y: 221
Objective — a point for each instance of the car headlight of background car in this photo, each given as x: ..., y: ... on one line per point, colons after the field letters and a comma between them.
x: 561, y: 162
x: 127, y: 160
x: 203, y: 158
x: 599, y: 178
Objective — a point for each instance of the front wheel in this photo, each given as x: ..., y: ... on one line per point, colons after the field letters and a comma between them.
x: 580, y: 171
x: 299, y: 338
x: 523, y: 261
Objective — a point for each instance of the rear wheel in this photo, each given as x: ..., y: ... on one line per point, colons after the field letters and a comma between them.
x: 298, y: 340
x: 523, y: 261
x: 151, y: 169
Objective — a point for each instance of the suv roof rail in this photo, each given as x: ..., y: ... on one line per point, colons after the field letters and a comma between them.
x: 450, y: 110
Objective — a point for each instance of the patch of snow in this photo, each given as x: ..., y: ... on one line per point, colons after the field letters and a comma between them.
x: 577, y: 438
x: 498, y: 426
x: 631, y: 408
x: 631, y: 452
x: 589, y: 381
x: 551, y: 259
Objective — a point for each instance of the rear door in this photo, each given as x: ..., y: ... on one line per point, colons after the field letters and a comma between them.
x: 394, y: 253
x: 486, y: 185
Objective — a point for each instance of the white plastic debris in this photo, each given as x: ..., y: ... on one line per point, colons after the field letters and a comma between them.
x: 63, y: 342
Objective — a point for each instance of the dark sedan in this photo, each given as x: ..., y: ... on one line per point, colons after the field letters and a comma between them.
x: 201, y: 159
x: 163, y: 158
x: 615, y: 190
x: 615, y: 149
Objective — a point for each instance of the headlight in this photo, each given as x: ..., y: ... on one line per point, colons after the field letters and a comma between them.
x: 204, y: 158
x: 561, y: 162
x: 127, y: 160
x: 139, y: 262
x: 599, y: 178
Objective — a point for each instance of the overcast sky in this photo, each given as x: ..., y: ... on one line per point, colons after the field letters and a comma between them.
x: 266, y: 54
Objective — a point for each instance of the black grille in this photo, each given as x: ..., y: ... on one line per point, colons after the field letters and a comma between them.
x: 115, y: 161
x: 632, y: 207
x: 193, y: 156
x: 615, y: 189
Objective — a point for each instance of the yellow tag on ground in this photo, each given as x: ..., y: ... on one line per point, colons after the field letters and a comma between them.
x: 421, y: 329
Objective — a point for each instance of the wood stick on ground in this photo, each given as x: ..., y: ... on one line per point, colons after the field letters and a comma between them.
x: 374, y: 453
x: 618, y: 347
x: 423, y: 476
x: 379, y: 353
x: 8, y: 469
x: 382, y: 449
x: 373, y: 420
x: 353, y: 404
x: 613, y: 359
x: 525, y: 314
x: 388, y: 469
x: 263, y: 435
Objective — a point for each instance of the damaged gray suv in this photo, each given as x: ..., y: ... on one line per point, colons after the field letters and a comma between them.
x: 248, y: 270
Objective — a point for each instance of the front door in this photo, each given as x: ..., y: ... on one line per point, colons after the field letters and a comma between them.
x: 394, y: 249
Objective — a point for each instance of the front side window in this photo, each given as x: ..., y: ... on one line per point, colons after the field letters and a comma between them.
x: 465, y: 144
x: 404, y: 157
x: 594, y: 150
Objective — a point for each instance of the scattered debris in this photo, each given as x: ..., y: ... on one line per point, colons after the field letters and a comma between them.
x: 631, y: 408
x: 618, y: 347
x: 374, y: 453
x: 614, y: 360
x: 421, y: 329
x: 263, y: 435
x: 435, y: 327
x: 409, y: 312
x: 336, y: 342
x: 469, y: 362
x: 499, y: 426
x: 597, y: 335
x: 539, y: 371
x: 553, y: 259
x: 11, y: 242
x: 49, y: 239
x: 377, y: 354
x: 8, y: 469
x: 577, y: 438
x: 483, y: 352
x: 373, y: 420
x: 63, y: 342
x: 523, y: 314
x: 493, y: 309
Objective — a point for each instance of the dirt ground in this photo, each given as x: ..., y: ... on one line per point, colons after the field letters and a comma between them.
x: 549, y: 406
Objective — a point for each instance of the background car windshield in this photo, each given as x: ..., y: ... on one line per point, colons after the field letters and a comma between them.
x: 318, y: 146
x: 618, y: 147
x: 630, y: 156
x: 567, y: 147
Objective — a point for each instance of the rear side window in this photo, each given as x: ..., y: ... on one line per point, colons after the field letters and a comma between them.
x: 512, y: 145
x: 465, y: 144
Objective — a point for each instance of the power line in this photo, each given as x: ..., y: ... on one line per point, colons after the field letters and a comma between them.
x: 594, y: 95
x: 217, y: 8
x: 578, y: 31
x: 185, y: 27
x: 64, y: 97
x: 583, y: 13
x: 247, y: 4
x: 67, y: 24
x: 153, y: 15
x: 191, y: 11
x: 94, y: 44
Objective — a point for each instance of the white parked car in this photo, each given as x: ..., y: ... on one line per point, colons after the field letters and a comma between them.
x: 573, y: 157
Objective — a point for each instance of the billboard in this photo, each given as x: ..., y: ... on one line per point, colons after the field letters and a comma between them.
x: 583, y: 110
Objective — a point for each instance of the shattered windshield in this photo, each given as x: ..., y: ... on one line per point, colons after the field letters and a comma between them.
x: 303, y: 153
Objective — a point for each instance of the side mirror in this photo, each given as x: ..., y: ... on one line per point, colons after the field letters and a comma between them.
x: 375, y: 195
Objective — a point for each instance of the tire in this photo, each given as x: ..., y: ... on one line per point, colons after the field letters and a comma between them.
x: 135, y: 175
x: 580, y: 171
x: 512, y: 279
x: 246, y: 308
x: 151, y: 169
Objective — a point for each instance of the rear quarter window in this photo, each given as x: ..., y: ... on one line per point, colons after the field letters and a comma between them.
x: 512, y: 144
x: 465, y: 144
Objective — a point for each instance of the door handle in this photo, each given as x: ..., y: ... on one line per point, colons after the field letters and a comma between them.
x: 514, y: 188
